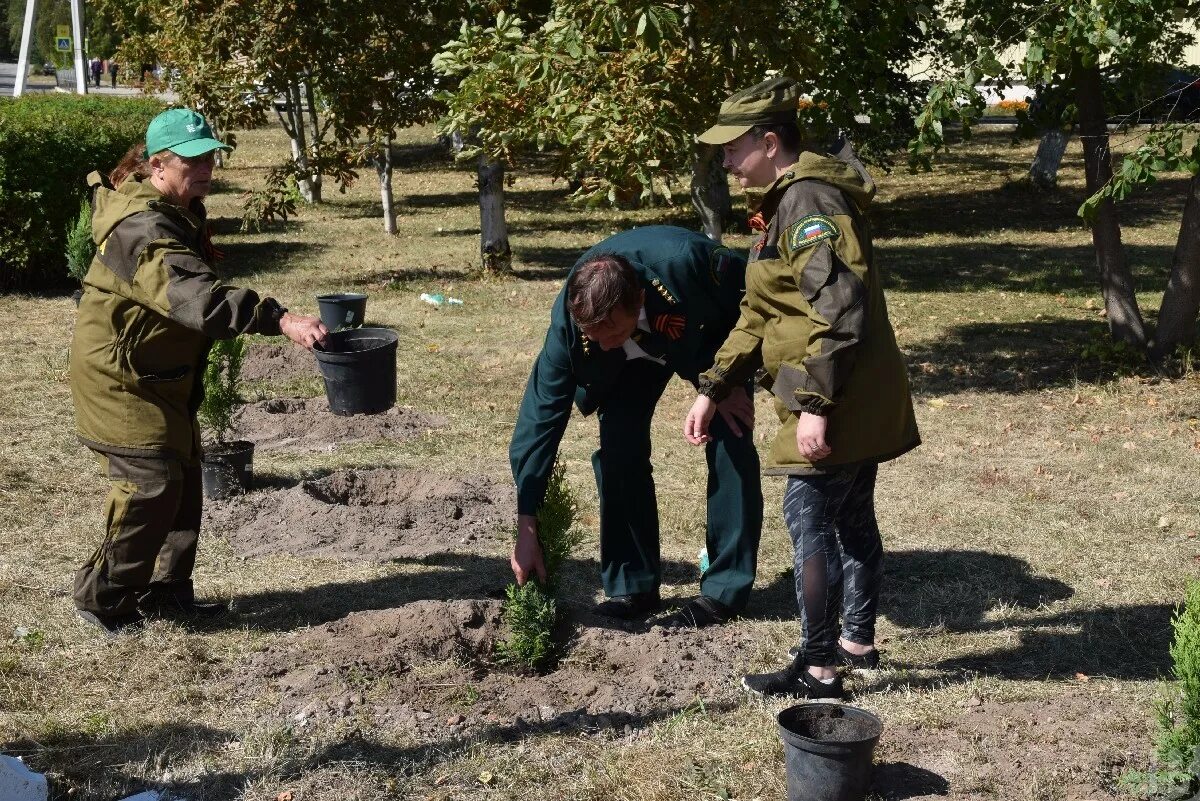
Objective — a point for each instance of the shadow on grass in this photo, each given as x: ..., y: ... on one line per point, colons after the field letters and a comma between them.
x: 1011, y: 357
x: 272, y: 256
x: 1015, y: 206
x: 545, y: 262
x: 896, y: 781
x: 1005, y: 266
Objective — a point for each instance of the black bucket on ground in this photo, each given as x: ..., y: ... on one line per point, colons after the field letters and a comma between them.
x: 828, y: 750
x: 359, y: 368
x: 342, y: 310
x: 227, y: 469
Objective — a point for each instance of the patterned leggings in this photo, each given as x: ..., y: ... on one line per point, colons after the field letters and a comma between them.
x: 838, y: 558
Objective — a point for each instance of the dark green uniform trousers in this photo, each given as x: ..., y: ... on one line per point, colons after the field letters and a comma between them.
x: 629, y: 544
x: 152, y: 527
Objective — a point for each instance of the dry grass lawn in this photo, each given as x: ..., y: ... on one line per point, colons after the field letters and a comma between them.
x: 1037, y: 542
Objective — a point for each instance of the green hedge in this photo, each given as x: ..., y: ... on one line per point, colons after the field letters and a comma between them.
x: 48, y: 145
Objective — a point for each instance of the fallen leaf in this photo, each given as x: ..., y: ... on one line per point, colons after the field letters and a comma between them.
x: 485, y: 777
x: 1076, y: 399
x: 936, y: 403
x: 1129, y: 446
x: 1091, y: 304
x: 284, y: 796
x: 1082, y: 677
x: 1151, y: 401
x: 440, y: 780
x: 1164, y: 522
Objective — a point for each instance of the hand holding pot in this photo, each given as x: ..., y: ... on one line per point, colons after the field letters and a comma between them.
x: 303, y: 330
x: 526, y: 558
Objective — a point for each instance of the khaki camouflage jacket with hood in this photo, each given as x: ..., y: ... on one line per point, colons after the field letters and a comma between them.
x: 151, y: 308
x: 815, y: 320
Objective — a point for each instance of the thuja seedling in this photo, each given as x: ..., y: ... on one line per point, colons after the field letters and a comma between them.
x: 531, y: 611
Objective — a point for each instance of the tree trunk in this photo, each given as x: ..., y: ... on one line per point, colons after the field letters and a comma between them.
x: 295, y: 128
x: 1116, y: 281
x: 314, y: 140
x: 493, y: 230
x: 1044, y: 170
x: 1181, y: 300
x: 383, y: 165
x: 710, y: 190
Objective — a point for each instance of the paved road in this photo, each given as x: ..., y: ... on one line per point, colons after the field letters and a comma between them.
x: 8, y: 81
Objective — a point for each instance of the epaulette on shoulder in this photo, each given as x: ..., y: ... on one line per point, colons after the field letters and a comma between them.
x: 662, y: 290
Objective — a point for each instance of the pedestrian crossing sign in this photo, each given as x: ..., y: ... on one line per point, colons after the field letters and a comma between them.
x: 64, y: 43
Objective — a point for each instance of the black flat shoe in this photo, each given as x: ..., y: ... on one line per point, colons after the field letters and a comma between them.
x: 630, y: 607
x: 792, y: 682
x: 697, y: 613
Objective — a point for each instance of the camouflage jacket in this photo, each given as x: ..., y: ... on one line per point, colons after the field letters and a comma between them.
x: 150, y: 310
x: 814, y: 319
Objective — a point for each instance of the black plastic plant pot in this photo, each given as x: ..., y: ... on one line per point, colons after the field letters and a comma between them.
x: 359, y: 368
x: 828, y: 750
x: 227, y: 469
x: 342, y: 310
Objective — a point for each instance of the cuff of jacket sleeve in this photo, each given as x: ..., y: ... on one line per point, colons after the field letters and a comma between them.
x: 712, y: 385
x: 270, y: 312
x: 528, y: 500
x: 813, y: 404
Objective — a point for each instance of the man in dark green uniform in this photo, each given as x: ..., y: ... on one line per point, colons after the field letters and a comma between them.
x: 637, y: 308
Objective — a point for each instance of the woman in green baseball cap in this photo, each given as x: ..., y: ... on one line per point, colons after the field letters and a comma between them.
x: 152, y: 306
x: 814, y: 321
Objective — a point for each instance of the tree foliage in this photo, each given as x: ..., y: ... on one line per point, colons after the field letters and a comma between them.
x: 617, y: 89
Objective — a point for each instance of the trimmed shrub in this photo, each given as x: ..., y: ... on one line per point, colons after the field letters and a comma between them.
x: 48, y: 145
x: 222, y: 387
x: 530, y: 612
x: 80, y: 247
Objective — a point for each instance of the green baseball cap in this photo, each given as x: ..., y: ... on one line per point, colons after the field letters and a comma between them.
x: 182, y: 131
x: 772, y: 102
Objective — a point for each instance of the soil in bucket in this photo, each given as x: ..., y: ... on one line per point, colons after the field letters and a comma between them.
x: 226, y: 469
x: 359, y: 368
x: 828, y: 750
x: 342, y: 310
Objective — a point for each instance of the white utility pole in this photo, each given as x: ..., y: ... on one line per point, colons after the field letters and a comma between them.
x: 26, y: 40
x: 81, y: 75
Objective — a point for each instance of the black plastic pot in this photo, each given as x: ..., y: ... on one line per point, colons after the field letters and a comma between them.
x: 77, y: 296
x: 828, y: 750
x: 359, y: 368
x: 342, y: 310
x: 227, y: 469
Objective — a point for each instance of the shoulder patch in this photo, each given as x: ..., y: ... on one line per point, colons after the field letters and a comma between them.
x: 719, y: 263
x: 810, y: 230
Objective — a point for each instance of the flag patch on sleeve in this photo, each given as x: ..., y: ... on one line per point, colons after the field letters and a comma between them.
x: 810, y: 230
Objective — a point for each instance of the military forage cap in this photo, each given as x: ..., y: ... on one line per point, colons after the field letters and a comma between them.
x: 772, y: 102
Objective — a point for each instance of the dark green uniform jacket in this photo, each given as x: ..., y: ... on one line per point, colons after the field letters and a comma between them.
x: 151, y: 308
x: 814, y: 318
x: 693, y: 287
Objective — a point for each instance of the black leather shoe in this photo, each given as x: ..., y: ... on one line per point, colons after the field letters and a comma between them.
x: 113, y: 625
x: 697, y: 613
x: 630, y: 607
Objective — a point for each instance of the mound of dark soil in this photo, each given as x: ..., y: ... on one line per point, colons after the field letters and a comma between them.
x: 306, y: 424
x: 427, y: 668
x: 278, y: 363
x: 375, y: 514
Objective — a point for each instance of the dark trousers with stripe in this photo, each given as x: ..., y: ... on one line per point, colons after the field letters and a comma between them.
x: 151, y: 531
x: 629, y: 528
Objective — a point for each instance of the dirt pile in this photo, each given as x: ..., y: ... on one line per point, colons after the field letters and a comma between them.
x: 278, y: 363
x: 377, y: 514
x: 426, y: 668
x: 306, y: 424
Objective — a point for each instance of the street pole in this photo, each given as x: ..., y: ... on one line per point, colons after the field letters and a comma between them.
x: 81, y: 78
x: 26, y: 41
